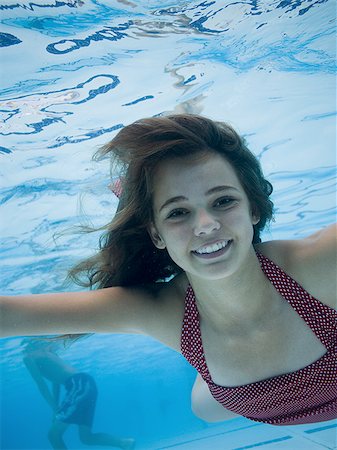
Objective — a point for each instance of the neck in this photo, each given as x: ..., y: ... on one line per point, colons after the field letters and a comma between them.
x: 243, y: 297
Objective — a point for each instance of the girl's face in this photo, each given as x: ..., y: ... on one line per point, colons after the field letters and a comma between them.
x: 202, y: 215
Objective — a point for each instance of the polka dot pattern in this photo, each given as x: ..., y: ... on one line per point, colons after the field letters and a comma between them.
x: 305, y: 396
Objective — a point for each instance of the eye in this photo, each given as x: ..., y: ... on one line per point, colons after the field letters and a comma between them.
x: 177, y: 213
x: 224, y: 202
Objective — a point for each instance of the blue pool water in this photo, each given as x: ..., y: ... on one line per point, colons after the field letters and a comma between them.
x: 74, y: 72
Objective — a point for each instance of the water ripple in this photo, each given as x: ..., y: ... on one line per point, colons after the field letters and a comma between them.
x: 42, y: 107
x: 304, y: 200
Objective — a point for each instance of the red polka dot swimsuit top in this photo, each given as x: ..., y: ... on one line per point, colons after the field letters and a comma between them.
x: 305, y: 396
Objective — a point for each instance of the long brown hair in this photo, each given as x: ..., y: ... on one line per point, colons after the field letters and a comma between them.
x: 127, y: 255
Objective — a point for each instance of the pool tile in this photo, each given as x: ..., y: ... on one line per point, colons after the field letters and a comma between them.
x: 259, y: 437
x: 221, y: 443
x: 239, y: 439
x: 324, y: 433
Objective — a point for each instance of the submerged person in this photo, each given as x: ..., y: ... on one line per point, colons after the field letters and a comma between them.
x: 182, y: 261
x: 51, y: 373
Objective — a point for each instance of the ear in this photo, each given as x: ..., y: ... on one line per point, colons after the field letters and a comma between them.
x: 155, y: 237
x: 255, y: 217
x: 255, y: 220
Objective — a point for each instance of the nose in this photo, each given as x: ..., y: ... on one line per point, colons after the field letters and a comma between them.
x: 205, y: 223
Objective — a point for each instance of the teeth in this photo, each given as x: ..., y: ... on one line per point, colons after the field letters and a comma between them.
x: 212, y: 248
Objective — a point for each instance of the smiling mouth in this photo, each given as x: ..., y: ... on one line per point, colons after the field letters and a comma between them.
x: 212, y: 249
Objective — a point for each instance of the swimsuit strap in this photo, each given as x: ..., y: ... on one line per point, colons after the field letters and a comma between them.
x: 319, y: 317
x: 191, y: 342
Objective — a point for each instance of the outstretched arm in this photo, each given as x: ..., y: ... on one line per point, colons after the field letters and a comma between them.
x: 104, y: 310
x: 154, y: 311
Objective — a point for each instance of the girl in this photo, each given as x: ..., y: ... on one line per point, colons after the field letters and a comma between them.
x: 182, y: 262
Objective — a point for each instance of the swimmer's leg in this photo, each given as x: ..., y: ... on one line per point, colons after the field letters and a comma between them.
x: 55, y: 435
x: 87, y: 437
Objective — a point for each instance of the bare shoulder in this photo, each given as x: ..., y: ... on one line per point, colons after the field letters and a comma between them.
x: 311, y: 261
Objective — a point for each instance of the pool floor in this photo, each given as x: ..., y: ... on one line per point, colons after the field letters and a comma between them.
x: 316, y: 436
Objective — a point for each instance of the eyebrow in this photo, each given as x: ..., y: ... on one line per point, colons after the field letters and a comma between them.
x: 180, y: 198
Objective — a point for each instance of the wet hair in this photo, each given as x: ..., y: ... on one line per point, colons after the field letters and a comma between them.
x: 127, y: 255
